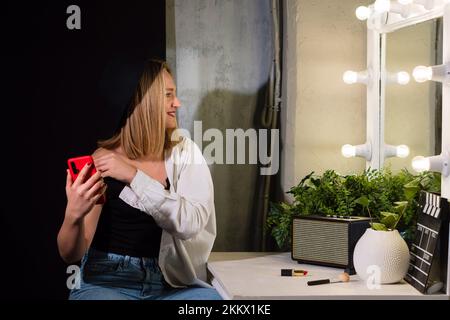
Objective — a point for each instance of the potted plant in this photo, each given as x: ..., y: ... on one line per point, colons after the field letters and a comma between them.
x: 331, y: 193
x: 381, y: 252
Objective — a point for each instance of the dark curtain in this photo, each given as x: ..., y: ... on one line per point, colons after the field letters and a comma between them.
x: 53, y: 110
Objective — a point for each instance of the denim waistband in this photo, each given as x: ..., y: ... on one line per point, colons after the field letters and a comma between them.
x: 94, y: 254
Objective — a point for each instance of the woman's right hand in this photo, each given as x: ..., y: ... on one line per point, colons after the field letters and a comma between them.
x: 83, y: 195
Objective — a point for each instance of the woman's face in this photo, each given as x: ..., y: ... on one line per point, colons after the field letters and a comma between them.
x: 172, y: 102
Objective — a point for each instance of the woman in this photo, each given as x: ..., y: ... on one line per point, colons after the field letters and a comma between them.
x: 153, y: 235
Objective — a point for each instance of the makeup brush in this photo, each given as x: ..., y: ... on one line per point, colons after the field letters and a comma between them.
x: 344, y: 277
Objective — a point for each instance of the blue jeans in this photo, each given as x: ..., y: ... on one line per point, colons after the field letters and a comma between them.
x: 109, y: 276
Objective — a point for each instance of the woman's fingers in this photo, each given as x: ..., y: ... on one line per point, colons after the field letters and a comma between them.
x: 96, y: 197
x: 100, y: 166
x: 90, y: 182
x: 103, y: 164
x: 101, y: 152
x: 82, y: 175
x: 104, y: 167
x: 103, y: 158
x: 98, y: 188
x: 69, y: 181
x: 106, y: 173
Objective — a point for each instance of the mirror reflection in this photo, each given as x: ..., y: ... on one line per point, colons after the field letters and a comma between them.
x: 413, y: 112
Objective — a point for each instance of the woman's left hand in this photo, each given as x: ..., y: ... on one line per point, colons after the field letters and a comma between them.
x: 113, y: 165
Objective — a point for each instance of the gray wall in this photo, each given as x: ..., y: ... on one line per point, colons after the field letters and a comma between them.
x: 221, y: 53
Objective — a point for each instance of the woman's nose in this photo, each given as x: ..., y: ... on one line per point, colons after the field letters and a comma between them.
x: 176, y: 103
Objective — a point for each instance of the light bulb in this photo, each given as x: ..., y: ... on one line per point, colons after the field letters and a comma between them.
x: 403, y: 78
x: 440, y: 73
x: 363, y: 151
x: 402, y: 151
x: 440, y: 163
x: 350, y: 77
x: 382, y: 6
x: 421, y: 164
x: 363, y: 13
x: 423, y: 74
x: 348, y: 151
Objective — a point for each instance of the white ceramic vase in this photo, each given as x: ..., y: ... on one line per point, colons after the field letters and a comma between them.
x: 382, y: 255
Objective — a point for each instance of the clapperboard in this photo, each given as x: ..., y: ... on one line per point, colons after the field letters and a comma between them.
x: 432, y: 226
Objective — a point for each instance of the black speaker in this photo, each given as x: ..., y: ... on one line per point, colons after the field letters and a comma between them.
x: 327, y: 241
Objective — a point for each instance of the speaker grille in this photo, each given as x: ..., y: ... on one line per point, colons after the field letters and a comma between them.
x: 320, y: 241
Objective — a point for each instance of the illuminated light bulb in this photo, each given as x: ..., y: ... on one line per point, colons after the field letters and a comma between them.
x: 363, y: 151
x: 402, y: 151
x: 440, y: 73
x: 439, y: 163
x: 423, y: 74
x: 403, y: 78
x: 421, y: 164
x: 348, y: 151
x: 382, y: 6
x: 363, y: 13
x: 350, y: 77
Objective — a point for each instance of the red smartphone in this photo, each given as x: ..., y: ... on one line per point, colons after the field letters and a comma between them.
x: 77, y: 164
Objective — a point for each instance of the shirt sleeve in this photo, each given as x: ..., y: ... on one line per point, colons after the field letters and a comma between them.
x: 183, y: 213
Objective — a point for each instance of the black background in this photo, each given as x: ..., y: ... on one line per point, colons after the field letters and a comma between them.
x: 51, y: 111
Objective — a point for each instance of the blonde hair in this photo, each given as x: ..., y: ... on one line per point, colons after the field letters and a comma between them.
x: 144, y: 132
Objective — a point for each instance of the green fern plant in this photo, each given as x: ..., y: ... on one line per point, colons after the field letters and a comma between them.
x: 390, y: 197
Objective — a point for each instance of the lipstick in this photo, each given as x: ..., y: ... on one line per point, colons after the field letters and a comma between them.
x: 293, y: 273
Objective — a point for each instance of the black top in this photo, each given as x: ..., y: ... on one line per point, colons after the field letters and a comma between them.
x: 123, y: 229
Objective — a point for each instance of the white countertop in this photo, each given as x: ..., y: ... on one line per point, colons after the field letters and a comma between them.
x: 254, y: 276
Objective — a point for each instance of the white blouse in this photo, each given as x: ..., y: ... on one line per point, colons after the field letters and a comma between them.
x: 186, y: 213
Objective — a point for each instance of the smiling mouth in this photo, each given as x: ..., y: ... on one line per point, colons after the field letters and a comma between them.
x: 172, y: 114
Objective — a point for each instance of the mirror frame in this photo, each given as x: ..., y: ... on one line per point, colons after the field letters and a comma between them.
x: 378, y: 27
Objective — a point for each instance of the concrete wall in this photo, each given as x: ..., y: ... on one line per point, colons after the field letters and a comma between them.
x: 221, y: 52
x: 323, y: 39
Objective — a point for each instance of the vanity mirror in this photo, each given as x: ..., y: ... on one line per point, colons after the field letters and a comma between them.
x: 408, y: 44
x: 413, y: 111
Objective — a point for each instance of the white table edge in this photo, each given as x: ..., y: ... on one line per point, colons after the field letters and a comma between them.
x: 217, y: 284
